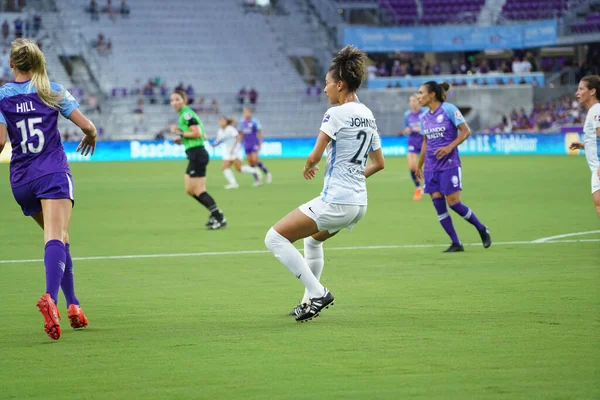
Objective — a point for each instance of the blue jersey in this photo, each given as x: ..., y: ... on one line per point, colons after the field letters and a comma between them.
x: 441, y: 129
x: 32, y: 129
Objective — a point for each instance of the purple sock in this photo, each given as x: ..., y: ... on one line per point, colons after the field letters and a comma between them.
x: 445, y: 219
x: 262, y: 166
x: 413, y: 175
x: 54, y: 261
x: 467, y: 214
x: 68, y: 283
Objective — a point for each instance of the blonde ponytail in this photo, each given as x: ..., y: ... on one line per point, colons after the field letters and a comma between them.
x: 27, y: 57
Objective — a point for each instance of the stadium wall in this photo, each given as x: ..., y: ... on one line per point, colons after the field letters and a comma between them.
x: 484, y: 144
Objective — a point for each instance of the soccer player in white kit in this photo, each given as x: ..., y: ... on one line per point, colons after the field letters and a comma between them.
x: 349, y: 136
x: 588, y: 94
x: 232, y: 153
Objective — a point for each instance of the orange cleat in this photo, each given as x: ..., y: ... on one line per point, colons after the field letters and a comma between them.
x: 51, y: 316
x: 77, y: 317
x: 418, y: 194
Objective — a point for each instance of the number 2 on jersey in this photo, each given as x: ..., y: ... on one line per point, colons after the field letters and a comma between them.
x: 33, y: 131
x: 360, y: 158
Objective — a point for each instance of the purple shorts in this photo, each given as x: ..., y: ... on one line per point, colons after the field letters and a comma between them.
x: 58, y: 185
x: 446, y: 182
x: 415, y: 143
x: 251, y: 148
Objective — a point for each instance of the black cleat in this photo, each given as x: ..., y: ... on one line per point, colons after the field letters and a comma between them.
x: 218, y: 224
x: 316, y: 306
x: 299, y: 309
x: 486, y: 239
x: 210, y: 222
x: 454, y: 247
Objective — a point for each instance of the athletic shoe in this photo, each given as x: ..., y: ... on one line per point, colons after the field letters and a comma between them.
x: 299, y: 309
x: 218, y: 224
x: 418, y: 194
x: 486, y: 239
x: 317, y: 305
x: 76, y: 317
x: 269, y: 178
x: 454, y: 247
x: 51, y: 316
x: 210, y: 222
x: 232, y: 186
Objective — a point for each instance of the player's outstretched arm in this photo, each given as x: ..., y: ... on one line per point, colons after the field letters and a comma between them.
x: 88, y: 143
x: 377, y: 163
x: 2, y: 137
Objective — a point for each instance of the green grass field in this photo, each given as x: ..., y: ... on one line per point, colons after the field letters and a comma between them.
x: 517, y: 321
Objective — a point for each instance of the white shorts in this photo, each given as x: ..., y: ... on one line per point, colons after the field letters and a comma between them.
x: 333, y: 217
x: 595, y: 182
x: 237, y: 155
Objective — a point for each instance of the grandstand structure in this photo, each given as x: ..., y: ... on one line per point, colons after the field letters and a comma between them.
x: 279, y: 51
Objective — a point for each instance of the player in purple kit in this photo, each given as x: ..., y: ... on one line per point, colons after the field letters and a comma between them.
x: 39, y: 173
x: 444, y: 128
x: 252, y: 135
x: 412, y: 128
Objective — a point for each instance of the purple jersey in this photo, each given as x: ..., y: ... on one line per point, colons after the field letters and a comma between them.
x: 32, y: 129
x: 413, y: 122
x: 250, y: 130
x: 440, y: 129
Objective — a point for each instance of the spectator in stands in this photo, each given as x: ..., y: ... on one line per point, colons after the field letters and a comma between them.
x: 241, y: 96
x: 382, y: 69
x: 149, y: 92
x: 189, y: 91
x: 124, y: 8
x: 93, y: 10
x: 396, y: 69
x: 5, y: 30
x: 371, y: 71
x: 99, y: 40
x: 180, y: 88
x: 253, y: 96
x: 37, y: 24
x: 214, y: 106
x: 139, y: 109
x: 137, y: 87
x: 18, y: 27
x: 531, y: 60
x: 164, y: 94
x: 5, y: 63
x: 484, y: 67
x: 436, y: 68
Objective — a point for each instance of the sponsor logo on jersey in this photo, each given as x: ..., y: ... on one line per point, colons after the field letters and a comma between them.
x: 187, y: 116
x: 326, y: 118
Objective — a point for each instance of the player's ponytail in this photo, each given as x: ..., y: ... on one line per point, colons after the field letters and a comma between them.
x: 440, y: 89
x: 27, y: 57
x: 348, y: 66
x: 593, y: 82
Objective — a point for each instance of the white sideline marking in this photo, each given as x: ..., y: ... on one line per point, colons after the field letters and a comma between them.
x: 242, y: 252
x: 549, y: 238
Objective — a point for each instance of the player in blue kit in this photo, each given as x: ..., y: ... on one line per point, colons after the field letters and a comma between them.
x: 412, y: 128
x: 444, y: 128
x: 40, y: 177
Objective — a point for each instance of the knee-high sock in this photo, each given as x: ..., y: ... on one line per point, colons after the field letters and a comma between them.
x: 229, y: 176
x: 445, y: 219
x: 263, y: 167
x: 207, y: 201
x: 413, y: 176
x: 68, y: 282
x: 468, y: 215
x: 291, y: 258
x: 54, y: 261
x: 313, y: 254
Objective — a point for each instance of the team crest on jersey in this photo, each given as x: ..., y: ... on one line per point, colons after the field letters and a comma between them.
x: 69, y: 96
x: 458, y: 115
x: 187, y: 116
x: 326, y: 118
x: 596, y: 118
x: 440, y: 118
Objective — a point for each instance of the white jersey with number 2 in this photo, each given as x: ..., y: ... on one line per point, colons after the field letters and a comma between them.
x: 353, y: 133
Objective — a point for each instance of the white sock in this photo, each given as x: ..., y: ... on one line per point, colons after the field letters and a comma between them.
x: 246, y: 169
x: 291, y: 258
x: 313, y: 254
x: 229, y: 176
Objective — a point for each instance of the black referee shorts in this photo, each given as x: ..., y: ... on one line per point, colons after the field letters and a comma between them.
x: 197, y: 162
